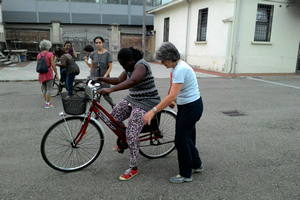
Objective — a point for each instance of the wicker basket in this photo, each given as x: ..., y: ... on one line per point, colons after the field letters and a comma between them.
x: 76, y: 105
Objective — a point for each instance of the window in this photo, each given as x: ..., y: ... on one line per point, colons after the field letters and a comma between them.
x: 263, y: 23
x: 53, y: 0
x: 202, y: 24
x: 137, y: 2
x: 89, y: 1
x: 148, y: 2
x: 115, y: 2
x: 166, y: 29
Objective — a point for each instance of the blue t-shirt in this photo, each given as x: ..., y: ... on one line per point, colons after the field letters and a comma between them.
x: 189, y: 92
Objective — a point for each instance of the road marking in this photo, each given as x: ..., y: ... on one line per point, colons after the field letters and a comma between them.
x: 274, y: 83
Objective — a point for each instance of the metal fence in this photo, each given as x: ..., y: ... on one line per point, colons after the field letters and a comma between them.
x: 81, y: 38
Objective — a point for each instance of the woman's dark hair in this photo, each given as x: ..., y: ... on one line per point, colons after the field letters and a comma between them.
x: 167, y: 51
x: 99, y: 37
x: 127, y: 53
x: 67, y: 42
x: 88, y: 48
x: 59, y: 52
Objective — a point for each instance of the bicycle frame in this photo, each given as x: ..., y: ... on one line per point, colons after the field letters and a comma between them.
x: 118, y: 129
x: 96, y: 108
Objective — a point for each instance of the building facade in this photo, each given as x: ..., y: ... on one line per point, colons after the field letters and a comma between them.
x: 27, y: 22
x: 233, y: 36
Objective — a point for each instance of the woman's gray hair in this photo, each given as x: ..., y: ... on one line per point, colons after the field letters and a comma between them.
x: 45, y: 45
x: 167, y: 51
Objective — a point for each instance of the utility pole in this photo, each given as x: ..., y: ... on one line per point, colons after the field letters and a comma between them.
x: 144, y: 28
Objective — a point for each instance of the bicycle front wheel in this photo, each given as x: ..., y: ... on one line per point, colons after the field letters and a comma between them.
x: 55, y: 89
x: 60, y: 153
x: 160, y: 143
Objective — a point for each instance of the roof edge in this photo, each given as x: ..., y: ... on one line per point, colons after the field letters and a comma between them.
x: 166, y: 5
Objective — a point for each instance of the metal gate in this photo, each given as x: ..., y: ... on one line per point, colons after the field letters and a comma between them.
x: 81, y: 38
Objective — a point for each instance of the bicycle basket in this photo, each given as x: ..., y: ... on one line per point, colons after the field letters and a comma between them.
x: 76, y: 105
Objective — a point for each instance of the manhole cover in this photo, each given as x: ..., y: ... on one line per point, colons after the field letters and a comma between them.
x: 233, y: 113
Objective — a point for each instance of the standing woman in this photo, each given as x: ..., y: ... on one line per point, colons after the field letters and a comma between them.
x: 70, y: 70
x: 88, y: 49
x: 46, y: 79
x: 185, y: 90
x: 101, y: 65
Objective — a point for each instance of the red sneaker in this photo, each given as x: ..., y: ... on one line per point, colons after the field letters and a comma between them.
x: 116, y: 148
x: 128, y: 174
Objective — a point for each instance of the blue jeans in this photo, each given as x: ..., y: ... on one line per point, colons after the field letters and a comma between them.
x: 185, y: 137
x: 68, y: 79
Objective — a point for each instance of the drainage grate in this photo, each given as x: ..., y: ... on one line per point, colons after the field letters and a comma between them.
x: 233, y: 113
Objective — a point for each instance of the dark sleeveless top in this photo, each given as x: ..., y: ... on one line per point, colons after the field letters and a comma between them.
x: 145, y: 94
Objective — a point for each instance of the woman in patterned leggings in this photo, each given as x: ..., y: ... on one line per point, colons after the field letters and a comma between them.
x: 142, y: 97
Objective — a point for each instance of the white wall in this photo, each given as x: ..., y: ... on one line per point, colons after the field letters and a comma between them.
x: 211, y: 54
x: 225, y: 42
x: 177, y: 27
x: 278, y: 56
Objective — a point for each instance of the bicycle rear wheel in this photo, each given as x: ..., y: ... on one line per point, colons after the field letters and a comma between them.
x: 161, y: 142
x: 57, y: 146
x: 14, y: 58
x: 55, y: 89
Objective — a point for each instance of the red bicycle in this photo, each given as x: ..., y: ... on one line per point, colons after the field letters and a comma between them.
x: 75, y: 142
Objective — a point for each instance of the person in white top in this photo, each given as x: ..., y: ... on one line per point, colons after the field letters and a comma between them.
x: 88, y: 49
x: 184, y: 89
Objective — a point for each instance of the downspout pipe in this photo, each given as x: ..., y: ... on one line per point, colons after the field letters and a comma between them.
x: 236, y: 34
x: 187, y: 30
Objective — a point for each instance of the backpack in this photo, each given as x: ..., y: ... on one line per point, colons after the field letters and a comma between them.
x: 42, y: 66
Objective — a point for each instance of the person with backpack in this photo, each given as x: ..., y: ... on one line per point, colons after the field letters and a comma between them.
x: 70, y: 70
x: 45, y: 60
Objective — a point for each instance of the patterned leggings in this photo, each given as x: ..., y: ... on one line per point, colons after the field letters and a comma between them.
x: 123, y: 111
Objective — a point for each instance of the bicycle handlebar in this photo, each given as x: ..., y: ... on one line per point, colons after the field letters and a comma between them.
x: 94, y: 87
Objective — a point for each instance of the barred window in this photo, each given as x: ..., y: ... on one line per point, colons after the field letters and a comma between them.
x: 263, y: 25
x: 202, y: 24
x: 166, y: 29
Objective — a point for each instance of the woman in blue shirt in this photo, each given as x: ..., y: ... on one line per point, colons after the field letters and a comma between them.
x: 184, y: 90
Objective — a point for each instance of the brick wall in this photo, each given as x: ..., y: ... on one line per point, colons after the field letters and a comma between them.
x: 26, y: 38
x: 135, y: 40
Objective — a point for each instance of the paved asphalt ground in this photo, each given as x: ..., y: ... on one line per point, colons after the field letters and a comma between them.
x: 254, y: 156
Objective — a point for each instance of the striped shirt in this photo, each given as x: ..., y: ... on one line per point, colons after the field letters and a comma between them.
x: 143, y: 95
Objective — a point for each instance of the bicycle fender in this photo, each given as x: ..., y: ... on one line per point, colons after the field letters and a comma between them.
x: 170, y: 111
x: 100, y: 126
